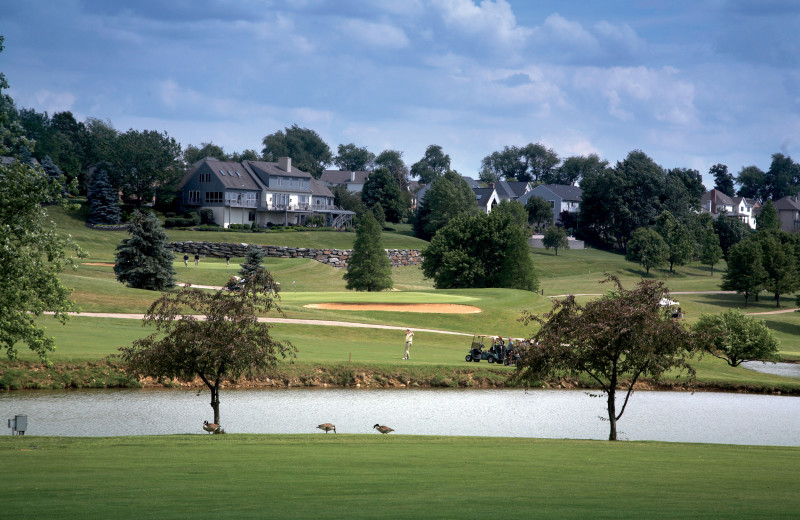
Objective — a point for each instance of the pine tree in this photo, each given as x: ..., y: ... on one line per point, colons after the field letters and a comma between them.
x: 252, y: 261
x: 368, y: 268
x: 103, y: 199
x: 143, y: 261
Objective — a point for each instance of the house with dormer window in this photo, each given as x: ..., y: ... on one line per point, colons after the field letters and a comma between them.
x: 258, y: 192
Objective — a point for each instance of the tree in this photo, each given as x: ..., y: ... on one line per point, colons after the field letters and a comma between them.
x: 780, y: 263
x: 554, y: 238
x: 767, y: 219
x: 353, y: 158
x: 735, y: 337
x: 432, y: 165
x: 683, y: 188
x: 212, y: 335
x: 381, y: 186
x: 648, y: 248
x: 710, y: 251
x: 574, y: 168
x: 392, y: 160
x: 746, y: 274
x: 192, y: 154
x: 751, y: 183
x: 730, y: 230
x: 532, y: 162
x: 32, y: 254
x: 306, y: 148
x: 248, y: 154
x: 144, y: 163
x: 482, y: 251
x: 723, y: 180
x: 348, y: 200
x: 542, y: 163
x: 447, y: 198
x: 676, y: 236
x: 368, y: 268
x: 782, y: 178
x: 616, y: 340
x: 144, y: 261
x: 103, y: 198
x: 254, y: 255
x: 540, y: 212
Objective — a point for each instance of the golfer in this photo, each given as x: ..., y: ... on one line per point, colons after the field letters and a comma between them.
x: 409, y: 339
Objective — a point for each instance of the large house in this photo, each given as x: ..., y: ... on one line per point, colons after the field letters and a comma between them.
x: 562, y: 197
x: 716, y: 202
x: 353, y: 181
x: 258, y: 192
x: 789, y: 213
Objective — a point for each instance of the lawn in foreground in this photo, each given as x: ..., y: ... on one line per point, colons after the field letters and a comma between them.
x: 394, y: 476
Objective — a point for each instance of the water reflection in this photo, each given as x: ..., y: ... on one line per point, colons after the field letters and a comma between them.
x: 667, y: 416
x: 779, y: 369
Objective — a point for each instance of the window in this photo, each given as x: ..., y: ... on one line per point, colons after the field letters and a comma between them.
x: 552, y: 204
x: 205, y: 177
x: 302, y: 199
x: 251, y: 216
x: 213, y: 197
x: 194, y: 197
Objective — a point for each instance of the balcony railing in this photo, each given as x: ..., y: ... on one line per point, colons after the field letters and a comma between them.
x: 241, y: 203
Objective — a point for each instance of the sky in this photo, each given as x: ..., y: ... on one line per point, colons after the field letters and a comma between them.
x: 691, y: 83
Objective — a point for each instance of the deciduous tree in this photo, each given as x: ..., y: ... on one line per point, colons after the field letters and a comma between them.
x: 144, y: 261
x: 678, y: 239
x: 540, y: 212
x: 723, y: 180
x: 710, y: 251
x: 648, y: 248
x: 145, y: 163
x: 368, y: 268
x: 615, y: 340
x: 767, y: 219
x: 447, y: 198
x: 211, y: 335
x: 555, y: 238
x: 305, y: 147
x: 751, y: 183
x: 574, y: 168
x: 736, y: 337
x: 381, y: 186
x: 392, y: 160
x: 780, y: 263
x: 746, y: 274
x: 432, y: 165
x: 353, y: 158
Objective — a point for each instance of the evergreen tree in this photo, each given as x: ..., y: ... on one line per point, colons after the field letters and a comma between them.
x: 746, y: 274
x: 647, y: 248
x: 252, y: 261
x: 381, y: 186
x: 51, y: 168
x: 767, y: 219
x: 380, y: 216
x: 368, y: 268
x: 103, y: 198
x: 143, y: 261
x: 710, y: 251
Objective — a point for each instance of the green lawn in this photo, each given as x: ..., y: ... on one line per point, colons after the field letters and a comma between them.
x: 394, y: 476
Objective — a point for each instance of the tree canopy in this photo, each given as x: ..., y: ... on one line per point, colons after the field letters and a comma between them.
x: 767, y: 219
x: 392, y: 160
x: 532, y: 162
x: 680, y: 245
x: 353, y: 158
x: 381, y: 186
x: 723, y: 180
x: 746, y: 274
x: 208, y: 334
x: 103, y: 198
x: 368, y: 268
x: 647, y: 247
x: 447, y: 198
x: 305, y: 147
x: 145, y: 163
x: 432, y: 165
x: 615, y: 340
x: 575, y: 168
x: 555, y: 238
x: 143, y: 260
x: 540, y: 212
x: 736, y: 337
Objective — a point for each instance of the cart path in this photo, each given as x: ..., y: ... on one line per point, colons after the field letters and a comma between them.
x: 293, y: 321
x: 671, y: 293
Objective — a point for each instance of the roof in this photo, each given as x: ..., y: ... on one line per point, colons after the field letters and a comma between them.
x: 484, y: 195
x: 564, y: 191
x: 319, y: 189
x: 344, y: 176
x: 717, y: 197
x: 787, y: 203
x: 272, y: 168
x: 232, y: 175
x: 513, y: 190
x: 472, y: 182
x: 7, y: 160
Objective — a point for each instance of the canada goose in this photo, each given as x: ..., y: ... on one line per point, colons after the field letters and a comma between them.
x: 383, y: 429
x: 210, y: 427
x: 326, y: 427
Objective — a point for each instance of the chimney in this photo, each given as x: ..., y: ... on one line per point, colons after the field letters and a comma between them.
x: 352, y: 176
x: 491, y: 185
x: 285, y: 163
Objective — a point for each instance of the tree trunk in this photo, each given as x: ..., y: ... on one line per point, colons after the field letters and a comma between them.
x: 612, y: 413
x: 215, y: 403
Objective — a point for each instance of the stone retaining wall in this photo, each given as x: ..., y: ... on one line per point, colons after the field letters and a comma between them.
x: 332, y: 257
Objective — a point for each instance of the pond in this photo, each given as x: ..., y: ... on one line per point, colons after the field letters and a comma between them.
x: 779, y: 369
x: 666, y: 416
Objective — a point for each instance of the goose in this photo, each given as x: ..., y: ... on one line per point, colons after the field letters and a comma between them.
x: 326, y: 427
x: 383, y: 429
x: 210, y: 427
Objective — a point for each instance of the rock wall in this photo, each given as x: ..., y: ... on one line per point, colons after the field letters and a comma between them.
x: 332, y: 257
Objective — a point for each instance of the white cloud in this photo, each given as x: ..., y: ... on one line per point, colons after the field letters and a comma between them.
x: 48, y: 101
x: 491, y: 19
x: 558, y: 30
x: 374, y: 34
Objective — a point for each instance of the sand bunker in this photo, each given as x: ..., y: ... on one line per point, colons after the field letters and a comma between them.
x: 437, y: 308
x: 104, y: 264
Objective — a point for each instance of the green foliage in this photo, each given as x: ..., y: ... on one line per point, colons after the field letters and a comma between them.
x: 710, y: 251
x: 647, y: 248
x: 482, y: 251
x: 380, y: 216
x: 532, y: 162
x: 540, y: 212
x: 779, y: 259
x: 723, y: 180
x: 369, y: 268
x: 555, y: 238
x: 751, y: 181
x: 144, y: 261
x: 345, y: 199
x: 144, y: 164
x: 228, y: 342
x: 782, y: 178
x: 447, y: 198
x: 392, y: 160
x: 305, y: 147
x: 746, y: 274
x: 353, y: 158
x: 678, y: 239
x: 103, y: 198
x: 254, y: 256
x: 735, y: 337
x: 381, y: 186
x: 615, y: 340
x: 730, y: 230
x: 433, y: 165
x: 575, y: 168
x: 767, y: 219
x: 316, y: 221
x: 32, y: 255
x: 206, y: 216
x: 192, y: 154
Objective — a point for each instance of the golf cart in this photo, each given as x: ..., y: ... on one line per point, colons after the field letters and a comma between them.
x: 493, y: 349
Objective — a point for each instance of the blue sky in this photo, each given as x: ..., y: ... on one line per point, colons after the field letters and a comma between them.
x: 691, y: 83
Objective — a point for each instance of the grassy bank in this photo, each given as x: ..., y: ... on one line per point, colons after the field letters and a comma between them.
x: 375, y: 476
